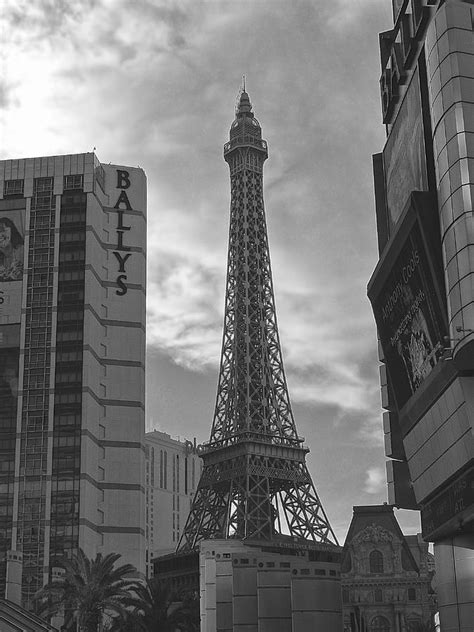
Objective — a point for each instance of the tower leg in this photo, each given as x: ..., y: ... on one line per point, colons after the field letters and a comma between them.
x: 454, y: 559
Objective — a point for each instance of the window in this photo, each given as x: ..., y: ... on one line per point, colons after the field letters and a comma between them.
x: 153, y: 467
x: 68, y: 355
x: 161, y: 469
x: 376, y: 562
x: 174, y: 475
x: 42, y: 193
x: 185, y: 474
x: 379, y: 624
x: 71, y: 275
x: 73, y: 182
x: 378, y: 595
x: 177, y: 473
x: 13, y: 187
x: 72, y: 255
x: 412, y: 594
x: 73, y: 216
x: 99, y: 173
x: 165, y: 471
x: 42, y: 185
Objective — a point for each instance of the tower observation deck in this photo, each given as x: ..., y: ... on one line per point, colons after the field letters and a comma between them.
x: 255, y: 484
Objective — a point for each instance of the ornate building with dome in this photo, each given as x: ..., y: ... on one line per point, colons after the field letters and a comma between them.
x: 386, y: 575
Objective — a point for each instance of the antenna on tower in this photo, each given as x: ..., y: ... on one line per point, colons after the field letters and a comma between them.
x: 237, y: 100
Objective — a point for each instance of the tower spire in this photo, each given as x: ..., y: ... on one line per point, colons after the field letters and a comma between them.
x: 255, y: 484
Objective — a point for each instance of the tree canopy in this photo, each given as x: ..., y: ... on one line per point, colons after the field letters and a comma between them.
x: 89, y: 592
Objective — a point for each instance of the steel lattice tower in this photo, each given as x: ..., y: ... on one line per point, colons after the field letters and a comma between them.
x: 255, y: 484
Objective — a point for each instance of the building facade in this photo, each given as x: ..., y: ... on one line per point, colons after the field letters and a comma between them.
x: 422, y: 289
x: 72, y: 362
x: 173, y: 468
x: 386, y: 576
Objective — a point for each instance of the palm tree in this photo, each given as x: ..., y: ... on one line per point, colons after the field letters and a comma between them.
x: 89, y: 592
x: 153, y: 608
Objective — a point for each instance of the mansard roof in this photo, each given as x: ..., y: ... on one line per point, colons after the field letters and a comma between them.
x: 376, y: 523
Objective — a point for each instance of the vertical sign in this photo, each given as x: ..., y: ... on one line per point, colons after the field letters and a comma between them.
x: 409, y: 320
x: 121, y: 251
x: 404, y: 154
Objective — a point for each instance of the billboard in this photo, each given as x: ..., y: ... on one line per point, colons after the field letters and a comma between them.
x: 404, y: 156
x: 12, y: 236
x: 409, y: 318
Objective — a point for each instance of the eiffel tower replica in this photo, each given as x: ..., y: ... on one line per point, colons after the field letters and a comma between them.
x: 255, y: 489
x: 255, y: 485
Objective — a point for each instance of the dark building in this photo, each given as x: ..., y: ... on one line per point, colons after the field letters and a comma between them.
x: 422, y: 290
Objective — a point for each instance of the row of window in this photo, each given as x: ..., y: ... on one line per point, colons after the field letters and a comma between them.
x: 175, y: 472
x: 378, y: 595
x: 67, y: 439
x: 44, y: 278
x: 40, y: 239
x: 42, y: 185
x: 34, y: 447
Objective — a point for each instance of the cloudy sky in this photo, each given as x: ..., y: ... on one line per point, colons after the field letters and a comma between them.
x: 153, y: 83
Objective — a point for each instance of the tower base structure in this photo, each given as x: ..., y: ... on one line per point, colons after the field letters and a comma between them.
x: 269, y: 587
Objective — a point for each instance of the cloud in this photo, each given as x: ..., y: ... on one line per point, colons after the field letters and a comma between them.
x: 375, y: 481
x: 153, y: 83
x: 152, y: 87
x: 182, y: 315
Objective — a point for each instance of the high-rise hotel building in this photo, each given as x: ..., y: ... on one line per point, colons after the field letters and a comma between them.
x: 173, y: 468
x: 422, y: 289
x: 72, y: 363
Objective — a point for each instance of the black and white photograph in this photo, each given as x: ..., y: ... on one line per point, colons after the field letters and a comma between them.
x: 236, y: 315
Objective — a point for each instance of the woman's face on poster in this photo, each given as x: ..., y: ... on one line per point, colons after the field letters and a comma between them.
x: 5, y: 235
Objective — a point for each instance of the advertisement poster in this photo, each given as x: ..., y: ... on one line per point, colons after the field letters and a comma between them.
x: 12, y: 236
x: 409, y: 320
x: 404, y: 153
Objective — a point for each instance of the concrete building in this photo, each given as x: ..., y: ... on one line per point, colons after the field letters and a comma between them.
x: 422, y: 289
x: 72, y: 362
x: 386, y: 576
x: 257, y: 587
x: 173, y: 468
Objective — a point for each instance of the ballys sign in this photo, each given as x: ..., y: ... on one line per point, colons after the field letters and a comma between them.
x: 122, y: 251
